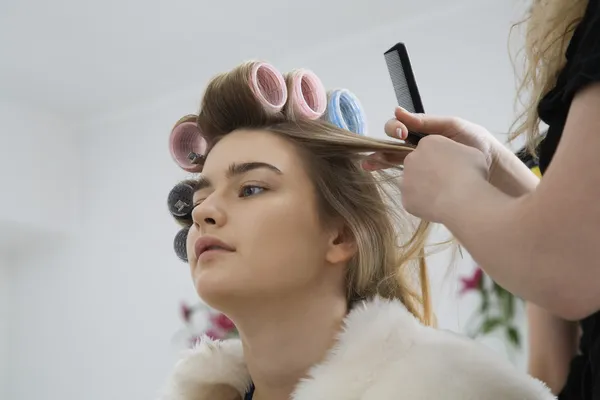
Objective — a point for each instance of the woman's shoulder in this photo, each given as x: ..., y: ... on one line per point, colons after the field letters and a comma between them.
x: 384, y: 351
x: 583, y: 54
x: 459, y: 367
x: 582, y: 68
x: 211, y: 370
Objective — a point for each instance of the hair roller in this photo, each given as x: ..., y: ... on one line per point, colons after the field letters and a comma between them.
x: 180, y: 244
x: 187, y: 145
x: 268, y: 86
x: 345, y: 111
x: 307, y: 96
x: 250, y: 95
x: 180, y: 203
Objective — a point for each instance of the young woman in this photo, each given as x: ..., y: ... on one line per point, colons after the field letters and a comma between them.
x: 538, y: 241
x: 312, y: 258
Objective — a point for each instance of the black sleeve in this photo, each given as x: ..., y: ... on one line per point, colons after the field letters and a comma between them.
x: 584, y: 66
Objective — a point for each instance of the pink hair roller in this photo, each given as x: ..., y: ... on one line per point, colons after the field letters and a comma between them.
x: 268, y: 86
x: 308, y: 97
x: 186, y: 144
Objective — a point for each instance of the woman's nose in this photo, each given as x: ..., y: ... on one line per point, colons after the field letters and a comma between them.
x: 209, y: 213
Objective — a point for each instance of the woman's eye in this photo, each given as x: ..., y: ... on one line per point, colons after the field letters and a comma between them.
x: 251, y: 190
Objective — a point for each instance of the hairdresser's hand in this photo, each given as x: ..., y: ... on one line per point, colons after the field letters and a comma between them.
x: 507, y: 172
x: 441, y: 175
x: 457, y: 129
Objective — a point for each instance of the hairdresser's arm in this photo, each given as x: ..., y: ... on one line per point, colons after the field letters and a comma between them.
x: 511, y: 175
x: 552, y: 340
x: 544, y: 246
x: 552, y: 346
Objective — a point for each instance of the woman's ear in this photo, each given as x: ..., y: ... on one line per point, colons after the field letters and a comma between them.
x: 342, y: 245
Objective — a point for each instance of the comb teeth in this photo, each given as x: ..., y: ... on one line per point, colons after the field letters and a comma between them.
x: 399, y: 81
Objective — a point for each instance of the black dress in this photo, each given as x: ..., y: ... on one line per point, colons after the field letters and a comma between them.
x: 582, y: 68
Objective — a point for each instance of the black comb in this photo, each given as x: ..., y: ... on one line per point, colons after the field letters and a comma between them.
x: 405, y: 85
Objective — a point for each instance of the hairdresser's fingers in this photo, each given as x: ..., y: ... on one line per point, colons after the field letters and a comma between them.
x: 396, y: 129
x: 377, y: 161
x: 374, y: 162
x: 426, y: 123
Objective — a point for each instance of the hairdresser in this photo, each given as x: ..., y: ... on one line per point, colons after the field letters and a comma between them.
x: 539, y: 241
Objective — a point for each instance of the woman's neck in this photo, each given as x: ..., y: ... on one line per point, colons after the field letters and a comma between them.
x: 286, y: 338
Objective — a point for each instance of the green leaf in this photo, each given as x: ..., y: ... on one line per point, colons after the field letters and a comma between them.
x: 497, y: 288
x: 485, y: 302
x: 490, y: 324
x: 508, y: 306
x: 481, y: 283
x: 507, y: 301
x: 485, y: 305
x: 513, y: 335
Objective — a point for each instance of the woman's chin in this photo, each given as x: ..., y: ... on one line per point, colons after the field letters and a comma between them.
x: 217, y: 288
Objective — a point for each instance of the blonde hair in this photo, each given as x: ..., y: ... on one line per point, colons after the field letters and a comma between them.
x: 550, y: 27
x: 390, y: 259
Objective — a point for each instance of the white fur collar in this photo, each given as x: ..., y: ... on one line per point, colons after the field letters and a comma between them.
x: 382, y: 353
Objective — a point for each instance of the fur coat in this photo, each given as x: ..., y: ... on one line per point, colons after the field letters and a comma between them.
x: 383, y: 353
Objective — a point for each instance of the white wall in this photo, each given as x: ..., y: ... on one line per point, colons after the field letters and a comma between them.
x: 40, y: 171
x: 4, y: 326
x: 39, y: 208
x: 95, y: 316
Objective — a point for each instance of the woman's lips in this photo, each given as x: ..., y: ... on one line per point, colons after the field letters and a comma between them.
x: 210, y: 246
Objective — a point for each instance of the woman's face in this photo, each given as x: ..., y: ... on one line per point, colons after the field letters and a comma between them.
x: 257, y: 230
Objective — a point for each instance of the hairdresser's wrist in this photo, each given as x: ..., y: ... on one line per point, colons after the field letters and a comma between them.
x: 479, y: 213
x: 510, y: 175
x: 460, y: 203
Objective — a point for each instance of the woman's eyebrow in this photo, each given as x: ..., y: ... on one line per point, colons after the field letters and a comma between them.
x: 240, y: 169
x: 236, y: 169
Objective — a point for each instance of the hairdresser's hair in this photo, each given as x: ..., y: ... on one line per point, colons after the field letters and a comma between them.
x: 549, y: 29
x: 390, y: 261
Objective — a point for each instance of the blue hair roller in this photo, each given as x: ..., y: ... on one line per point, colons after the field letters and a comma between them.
x: 345, y: 111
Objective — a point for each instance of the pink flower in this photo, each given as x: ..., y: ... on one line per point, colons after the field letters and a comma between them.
x: 186, y: 312
x: 222, y: 322
x: 471, y: 283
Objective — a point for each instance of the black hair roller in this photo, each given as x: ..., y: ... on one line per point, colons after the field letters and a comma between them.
x: 180, y: 244
x: 180, y: 202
